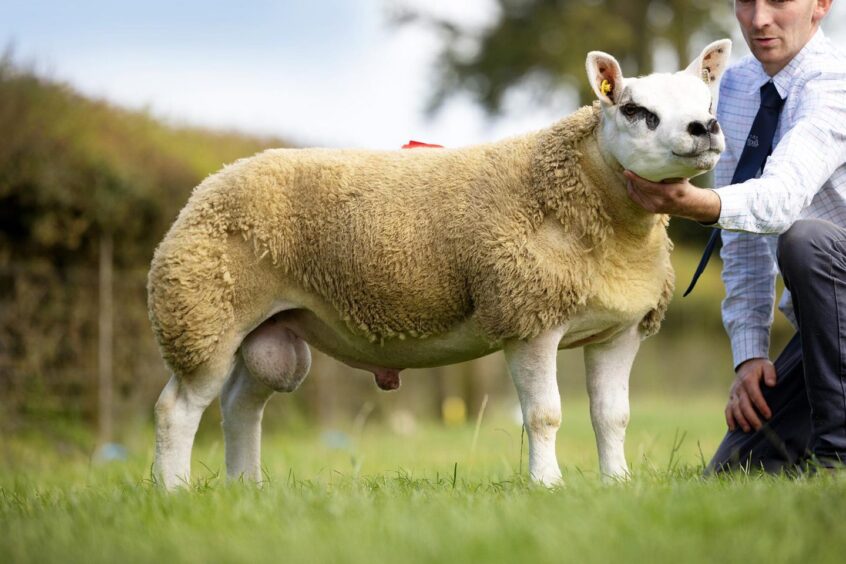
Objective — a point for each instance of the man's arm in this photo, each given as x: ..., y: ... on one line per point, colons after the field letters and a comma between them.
x: 803, y: 160
x: 749, y: 276
x: 676, y: 197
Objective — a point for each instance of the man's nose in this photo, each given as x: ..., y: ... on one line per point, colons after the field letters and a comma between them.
x: 699, y: 129
x: 762, y: 14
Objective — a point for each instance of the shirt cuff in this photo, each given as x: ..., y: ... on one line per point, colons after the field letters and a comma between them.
x: 713, y: 223
x: 734, y: 208
x: 750, y: 343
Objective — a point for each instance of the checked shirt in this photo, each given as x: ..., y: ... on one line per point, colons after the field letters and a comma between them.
x: 805, y: 177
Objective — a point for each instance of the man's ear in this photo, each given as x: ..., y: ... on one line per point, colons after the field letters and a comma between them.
x: 821, y: 10
x: 605, y: 76
x: 711, y: 63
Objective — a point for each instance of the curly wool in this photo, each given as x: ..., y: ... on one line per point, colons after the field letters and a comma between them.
x: 524, y: 286
x: 402, y: 244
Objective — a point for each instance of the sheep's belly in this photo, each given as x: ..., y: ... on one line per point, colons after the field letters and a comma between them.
x: 464, y: 342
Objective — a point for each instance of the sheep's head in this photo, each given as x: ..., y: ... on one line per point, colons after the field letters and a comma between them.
x: 662, y: 125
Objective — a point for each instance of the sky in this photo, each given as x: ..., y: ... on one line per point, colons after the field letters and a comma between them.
x: 314, y: 72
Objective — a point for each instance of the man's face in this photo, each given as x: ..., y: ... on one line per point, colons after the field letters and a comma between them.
x: 776, y: 30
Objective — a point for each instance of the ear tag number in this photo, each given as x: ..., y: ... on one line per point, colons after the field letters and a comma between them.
x: 605, y: 87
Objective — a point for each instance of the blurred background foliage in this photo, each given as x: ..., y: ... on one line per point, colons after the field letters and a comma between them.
x: 75, y: 170
x: 543, y: 42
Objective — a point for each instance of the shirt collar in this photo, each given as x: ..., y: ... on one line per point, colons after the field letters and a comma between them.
x: 784, y: 78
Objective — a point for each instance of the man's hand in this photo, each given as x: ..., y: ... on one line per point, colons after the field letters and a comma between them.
x: 677, y: 197
x: 746, y: 401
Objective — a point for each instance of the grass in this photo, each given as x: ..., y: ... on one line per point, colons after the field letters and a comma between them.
x: 379, y: 496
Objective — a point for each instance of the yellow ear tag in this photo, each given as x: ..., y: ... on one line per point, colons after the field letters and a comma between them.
x: 605, y: 87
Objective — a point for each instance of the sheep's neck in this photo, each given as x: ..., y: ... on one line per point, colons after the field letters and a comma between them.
x: 606, y: 174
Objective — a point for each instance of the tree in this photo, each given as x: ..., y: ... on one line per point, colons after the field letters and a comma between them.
x: 545, y: 41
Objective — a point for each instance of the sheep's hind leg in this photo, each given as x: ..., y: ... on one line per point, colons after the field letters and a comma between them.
x: 532, y: 365
x: 242, y: 405
x: 608, y: 366
x: 272, y: 358
x: 178, y: 411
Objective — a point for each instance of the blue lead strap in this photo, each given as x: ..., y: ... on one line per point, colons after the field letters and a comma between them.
x: 703, y: 262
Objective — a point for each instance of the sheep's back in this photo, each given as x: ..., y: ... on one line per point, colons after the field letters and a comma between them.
x: 381, y: 236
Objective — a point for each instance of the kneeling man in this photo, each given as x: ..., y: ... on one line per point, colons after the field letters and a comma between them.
x: 782, y: 207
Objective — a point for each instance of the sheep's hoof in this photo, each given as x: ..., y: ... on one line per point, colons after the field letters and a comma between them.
x: 548, y: 478
x: 617, y: 477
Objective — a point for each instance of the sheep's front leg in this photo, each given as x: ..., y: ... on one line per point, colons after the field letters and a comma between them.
x: 532, y: 364
x: 608, y: 366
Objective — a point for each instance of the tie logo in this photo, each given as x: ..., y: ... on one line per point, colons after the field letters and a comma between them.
x: 752, y: 141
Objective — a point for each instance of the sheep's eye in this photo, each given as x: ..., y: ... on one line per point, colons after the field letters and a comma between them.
x: 633, y: 112
x: 652, y: 120
x: 630, y: 110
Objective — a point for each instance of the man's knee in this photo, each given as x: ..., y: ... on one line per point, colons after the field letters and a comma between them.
x: 800, y: 245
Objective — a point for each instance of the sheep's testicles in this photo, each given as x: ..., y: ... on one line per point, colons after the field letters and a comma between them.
x: 276, y: 357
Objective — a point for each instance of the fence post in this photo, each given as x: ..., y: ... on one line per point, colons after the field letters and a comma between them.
x: 105, y: 340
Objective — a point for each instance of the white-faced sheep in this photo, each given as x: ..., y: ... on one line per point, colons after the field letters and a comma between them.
x: 394, y: 259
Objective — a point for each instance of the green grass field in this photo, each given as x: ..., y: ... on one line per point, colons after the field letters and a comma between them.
x: 373, y: 495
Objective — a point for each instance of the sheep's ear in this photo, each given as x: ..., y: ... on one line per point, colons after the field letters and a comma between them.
x: 605, y: 76
x: 711, y: 63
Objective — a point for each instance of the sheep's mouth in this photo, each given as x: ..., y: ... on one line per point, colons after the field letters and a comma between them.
x: 697, y: 154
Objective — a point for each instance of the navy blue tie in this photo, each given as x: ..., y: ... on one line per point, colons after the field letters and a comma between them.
x: 759, y: 146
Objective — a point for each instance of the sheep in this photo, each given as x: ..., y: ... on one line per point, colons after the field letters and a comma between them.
x: 416, y: 258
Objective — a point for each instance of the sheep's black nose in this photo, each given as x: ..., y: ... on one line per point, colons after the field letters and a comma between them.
x: 697, y: 129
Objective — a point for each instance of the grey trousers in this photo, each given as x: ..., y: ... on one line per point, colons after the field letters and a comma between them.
x: 808, y: 402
